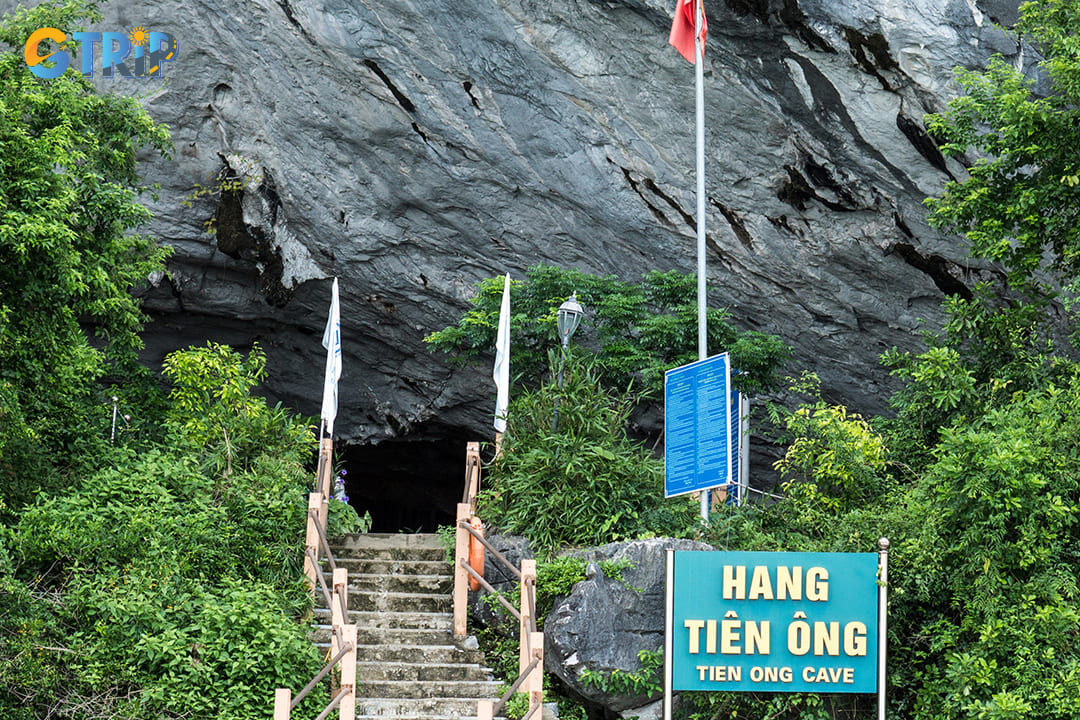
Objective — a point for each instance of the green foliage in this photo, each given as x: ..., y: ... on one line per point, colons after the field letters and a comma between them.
x: 161, y: 586
x: 585, y: 484
x: 999, y: 585
x: 614, y: 569
x: 342, y: 519
x: 448, y: 539
x: 68, y: 200
x: 986, y: 352
x: 637, y: 330
x: 555, y: 578
x: 516, y: 706
x: 836, y: 459
x: 1021, y: 203
x: 647, y: 680
x: 212, y: 408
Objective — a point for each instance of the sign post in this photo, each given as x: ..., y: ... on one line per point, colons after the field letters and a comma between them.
x: 774, y: 622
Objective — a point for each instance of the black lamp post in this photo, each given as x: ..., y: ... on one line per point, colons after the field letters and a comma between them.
x: 569, y: 317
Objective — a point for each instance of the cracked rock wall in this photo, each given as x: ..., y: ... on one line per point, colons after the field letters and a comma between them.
x: 412, y: 147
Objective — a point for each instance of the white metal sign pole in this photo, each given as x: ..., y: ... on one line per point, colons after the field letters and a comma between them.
x: 883, y: 616
x: 744, y: 447
x: 669, y: 606
x: 699, y: 75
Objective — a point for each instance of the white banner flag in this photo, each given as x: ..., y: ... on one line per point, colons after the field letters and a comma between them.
x: 502, y: 359
x: 332, y: 342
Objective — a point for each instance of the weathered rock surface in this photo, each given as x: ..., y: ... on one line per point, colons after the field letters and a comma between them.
x: 604, y: 623
x: 412, y: 147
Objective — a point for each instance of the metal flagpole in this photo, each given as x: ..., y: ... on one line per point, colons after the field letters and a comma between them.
x: 883, y: 616
x: 669, y: 595
x: 699, y: 74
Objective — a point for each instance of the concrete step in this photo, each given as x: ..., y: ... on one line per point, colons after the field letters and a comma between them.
x: 398, y: 620
x: 390, y: 546
x: 447, y: 689
x: 414, y: 717
x: 358, y: 565
x: 372, y: 672
x: 419, y: 655
x: 405, y: 636
x: 367, y: 541
x: 397, y: 582
x: 391, y: 602
x: 426, y: 708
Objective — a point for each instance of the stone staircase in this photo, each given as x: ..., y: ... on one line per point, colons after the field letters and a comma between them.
x: 409, y: 664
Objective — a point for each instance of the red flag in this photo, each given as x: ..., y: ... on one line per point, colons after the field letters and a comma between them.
x: 682, y: 29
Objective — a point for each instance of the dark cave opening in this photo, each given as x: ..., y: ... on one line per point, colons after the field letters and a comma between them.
x: 410, y: 485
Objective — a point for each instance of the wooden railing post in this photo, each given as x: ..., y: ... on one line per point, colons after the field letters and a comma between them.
x: 535, y: 684
x: 528, y: 585
x: 472, y: 465
x: 339, y: 599
x: 282, y: 698
x: 311, y: 540
x: 485, y: 710
x: 461, y: 576
x: 347, y: 708
x: 324, y: 481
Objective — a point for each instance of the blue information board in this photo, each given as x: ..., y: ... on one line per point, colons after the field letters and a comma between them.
x: 774, y: 622
x: 699, y: 451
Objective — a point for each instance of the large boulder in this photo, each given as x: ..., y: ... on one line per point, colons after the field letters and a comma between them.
x: 605, y: 622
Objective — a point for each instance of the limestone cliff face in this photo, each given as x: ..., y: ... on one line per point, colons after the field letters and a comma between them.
x: 412, y: 147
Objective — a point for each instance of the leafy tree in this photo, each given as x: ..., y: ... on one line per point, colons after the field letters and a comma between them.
x: 1021, y: 203
x: 985, y: 353
x: 836, y: 459
x: 639, y: 329
x: 68, y: 202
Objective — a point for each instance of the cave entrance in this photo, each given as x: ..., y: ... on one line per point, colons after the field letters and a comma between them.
x: 406, y: 485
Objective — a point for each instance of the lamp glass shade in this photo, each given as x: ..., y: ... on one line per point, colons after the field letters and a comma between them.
x: 569, y: 317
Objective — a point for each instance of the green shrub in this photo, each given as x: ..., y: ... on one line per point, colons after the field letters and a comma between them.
x: 586, y: 483
x: 169, y: 583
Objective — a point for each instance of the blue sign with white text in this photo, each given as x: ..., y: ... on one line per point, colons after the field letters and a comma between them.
x: 699, y: 451
x: 774, y: 622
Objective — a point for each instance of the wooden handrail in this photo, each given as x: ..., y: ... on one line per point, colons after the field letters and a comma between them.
x: 334, y: 703
x: 498, y: 555
x: 326, y: 594
x: 325, y: 544
x: 487, y: 586
x: 514, y: 688
x: 345, y: 649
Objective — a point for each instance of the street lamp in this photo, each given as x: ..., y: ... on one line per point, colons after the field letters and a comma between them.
x: 569, y: 317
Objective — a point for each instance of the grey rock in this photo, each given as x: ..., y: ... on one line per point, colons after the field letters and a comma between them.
x: 604, y: 623
x: 413, y: 147
x: 652, y: 711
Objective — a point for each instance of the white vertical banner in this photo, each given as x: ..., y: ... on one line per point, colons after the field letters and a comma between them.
x: 502, y: 360
x: 332, y: 342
